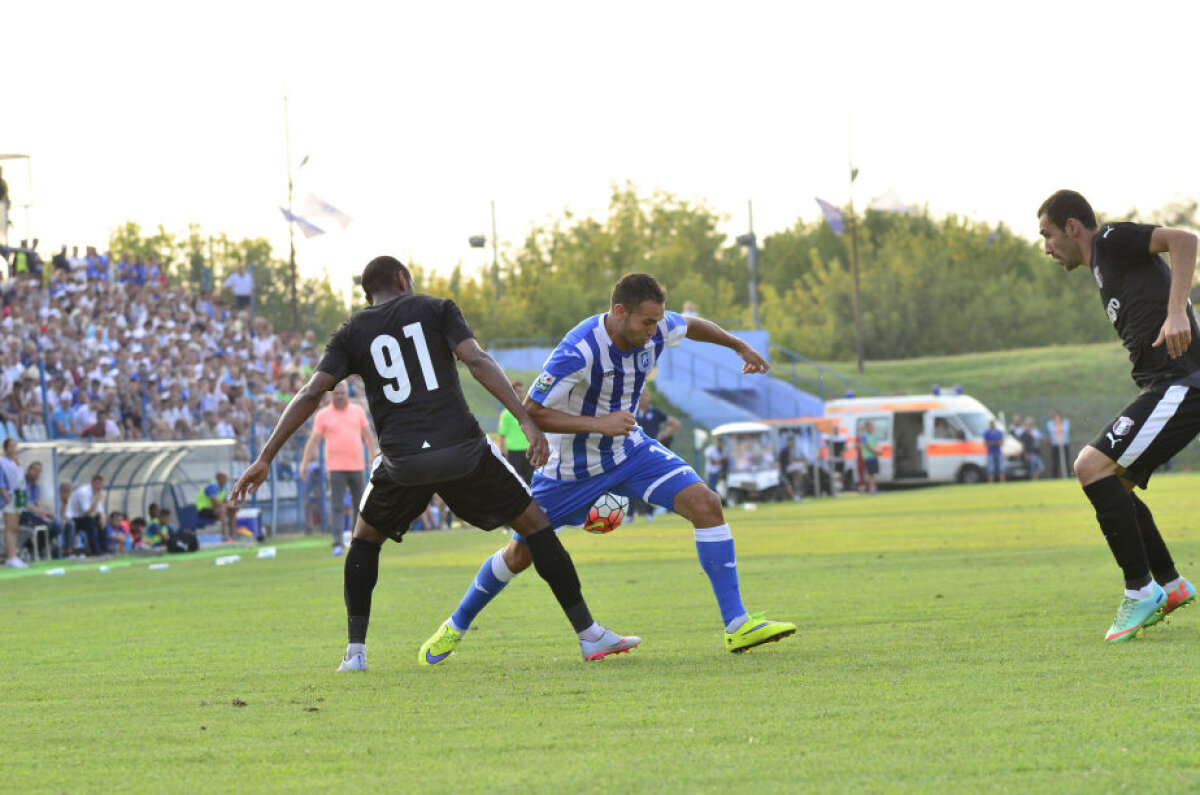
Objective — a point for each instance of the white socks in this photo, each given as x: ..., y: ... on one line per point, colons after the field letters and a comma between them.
x: 1141, y: 593
x: 355, y: 648
x: 736, y: 624
x: 1172, y: 585
x: 500, y: 569
x: 592, y: 634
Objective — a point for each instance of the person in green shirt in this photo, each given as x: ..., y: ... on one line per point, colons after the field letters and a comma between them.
x: 868, y: 448
x: 513, y: 443
x: 211, y: 507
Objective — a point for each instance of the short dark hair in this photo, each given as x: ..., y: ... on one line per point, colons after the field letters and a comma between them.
x: 1064, y: 204
x: 634, y: 288
x: 380, y: 274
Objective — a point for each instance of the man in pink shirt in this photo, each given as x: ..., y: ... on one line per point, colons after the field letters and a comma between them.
x: 344, y: 428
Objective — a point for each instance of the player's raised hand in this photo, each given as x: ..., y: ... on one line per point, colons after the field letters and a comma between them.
x: 249, y: 482
x: 754, y: 361
x: 539, y: 449
x: 619, y: 423
x: 1176, y: 331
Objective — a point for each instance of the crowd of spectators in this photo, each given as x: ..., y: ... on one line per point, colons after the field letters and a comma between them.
x: 127, y: 354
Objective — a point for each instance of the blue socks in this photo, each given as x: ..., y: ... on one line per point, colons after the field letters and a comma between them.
x: 714, y: 546
x: 493, y: 575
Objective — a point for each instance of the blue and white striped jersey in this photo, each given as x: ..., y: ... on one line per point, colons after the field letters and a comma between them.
x: 588, y: 376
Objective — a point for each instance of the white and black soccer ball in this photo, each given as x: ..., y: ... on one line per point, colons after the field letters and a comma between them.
x: 606, y: 514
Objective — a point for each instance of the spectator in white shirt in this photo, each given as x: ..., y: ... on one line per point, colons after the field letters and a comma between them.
x: 86, y: 509
x: 241, y: 284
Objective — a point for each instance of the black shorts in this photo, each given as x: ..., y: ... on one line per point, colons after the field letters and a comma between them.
x: 1151, y: 430
x: 871, y: 465
x: 520, y: 464
x: 488, y: 496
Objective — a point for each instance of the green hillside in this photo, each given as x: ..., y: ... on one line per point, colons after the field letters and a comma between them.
x: 1088, y: 383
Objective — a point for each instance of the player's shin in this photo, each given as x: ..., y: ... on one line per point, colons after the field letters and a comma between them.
x: 714, y: 547
x: 1116, y: 515
x: 360, y: 576
x: 491, y: 578
x: 554, y: 565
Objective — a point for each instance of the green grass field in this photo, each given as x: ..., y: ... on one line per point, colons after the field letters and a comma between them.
x: 951, y: 640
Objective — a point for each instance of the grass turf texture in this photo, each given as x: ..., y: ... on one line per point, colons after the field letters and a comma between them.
x: 949, y: 638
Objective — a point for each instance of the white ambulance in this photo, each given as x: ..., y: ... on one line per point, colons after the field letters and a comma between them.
x: 925, y: 438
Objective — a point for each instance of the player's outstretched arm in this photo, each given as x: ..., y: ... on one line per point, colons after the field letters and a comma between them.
x: 298, y: 410
x: 702, y: 330
x: 1176, y: 331
x: 486, y: 371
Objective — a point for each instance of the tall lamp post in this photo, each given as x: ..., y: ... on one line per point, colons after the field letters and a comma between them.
x: 480, y: 241
x: 287, y: 133
x: 751, y: 243
x: 853, y: 220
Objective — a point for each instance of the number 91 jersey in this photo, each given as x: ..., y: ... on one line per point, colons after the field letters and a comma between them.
x: 404, y: 351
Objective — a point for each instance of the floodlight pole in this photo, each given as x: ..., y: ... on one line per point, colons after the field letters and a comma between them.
x: 495, y: 253
x: 751, y: 243
x: 287, y: 135
x: 858, y: 336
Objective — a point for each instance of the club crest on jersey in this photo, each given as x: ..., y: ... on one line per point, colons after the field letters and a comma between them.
x: 643, y: 361
x: 1114, y: 306
x: 544, y: 382
x: 1099, y: 278
x: 1122, y: 426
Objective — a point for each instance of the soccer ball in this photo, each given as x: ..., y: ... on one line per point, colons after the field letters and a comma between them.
x: 606, y: 513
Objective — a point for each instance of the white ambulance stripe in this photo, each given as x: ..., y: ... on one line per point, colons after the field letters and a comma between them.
x: 367, y: 491
x: 663, y: 479
x: 504, y: 460
x: 1154, y: 424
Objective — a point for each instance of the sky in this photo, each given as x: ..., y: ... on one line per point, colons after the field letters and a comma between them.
x: 415, y: 117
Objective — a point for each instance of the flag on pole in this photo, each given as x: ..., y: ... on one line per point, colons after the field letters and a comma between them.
x: 833, y: 216
x: 315, y: 205
x: 307, y: 227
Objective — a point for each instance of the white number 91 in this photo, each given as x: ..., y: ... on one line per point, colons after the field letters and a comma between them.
x: 389, y: 362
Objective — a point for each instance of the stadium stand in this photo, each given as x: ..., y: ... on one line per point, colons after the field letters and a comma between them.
x: 105, y: 352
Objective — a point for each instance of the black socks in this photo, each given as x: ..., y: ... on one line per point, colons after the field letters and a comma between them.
x: 1119, y: 523
x: 361, y: 574
x: 1157, y: 555
x: 554, y: 565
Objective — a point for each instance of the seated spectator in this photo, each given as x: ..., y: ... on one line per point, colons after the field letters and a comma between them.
x: 83, y: 414
x: 158, y: 530
x: 117, y: 532
x: 36, y: 513
x: 102, y: 428
x: 137, y: 532
x: 211, y: 507
x: 62, y: 421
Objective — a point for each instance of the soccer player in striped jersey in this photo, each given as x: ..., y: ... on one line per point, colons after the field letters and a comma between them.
x: 1147, y: 303
x: 584, y: 400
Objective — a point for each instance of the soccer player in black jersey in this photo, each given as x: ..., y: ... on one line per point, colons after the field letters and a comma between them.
x: 404, y: 345
x: 1147, y: 303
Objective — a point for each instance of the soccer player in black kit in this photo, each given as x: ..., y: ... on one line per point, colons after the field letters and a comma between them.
x: 1147, y: 303
x: 403, y: 345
